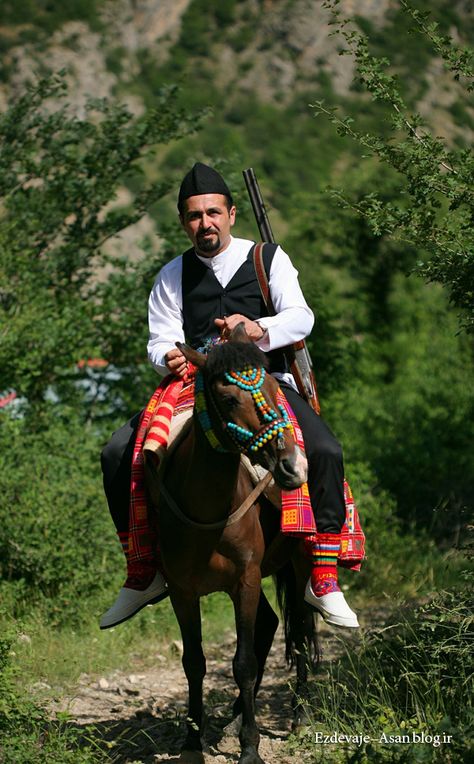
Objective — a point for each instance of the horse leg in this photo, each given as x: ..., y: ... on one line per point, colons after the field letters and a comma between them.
x: 188, y: 613
x: 300, y: 636
x: 306, y: 657
x: 245, y: 665
x: 266, y: 624
x: 306, y: 650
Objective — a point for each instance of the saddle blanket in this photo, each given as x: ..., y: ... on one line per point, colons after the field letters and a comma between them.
x: 164, y: 416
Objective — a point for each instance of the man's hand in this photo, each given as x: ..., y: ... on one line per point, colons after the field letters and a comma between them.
x: 225, y: 326
x: 176, y: 362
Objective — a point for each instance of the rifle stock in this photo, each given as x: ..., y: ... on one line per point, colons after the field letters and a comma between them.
x: 297, y: 355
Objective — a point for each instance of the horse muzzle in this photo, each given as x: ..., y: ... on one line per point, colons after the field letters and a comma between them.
x: 290, y: 470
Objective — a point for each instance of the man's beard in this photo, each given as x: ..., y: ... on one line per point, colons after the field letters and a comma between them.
x: 208, y: 244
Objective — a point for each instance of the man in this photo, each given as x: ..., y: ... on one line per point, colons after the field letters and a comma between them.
x: 207, y: 291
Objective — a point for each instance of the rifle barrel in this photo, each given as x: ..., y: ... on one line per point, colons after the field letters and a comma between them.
x: 258, y: 205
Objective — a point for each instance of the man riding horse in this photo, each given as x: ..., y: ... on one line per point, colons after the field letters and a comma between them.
x: 204, y: 293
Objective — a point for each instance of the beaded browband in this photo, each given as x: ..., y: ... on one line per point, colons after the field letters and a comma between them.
x: 250, y: 380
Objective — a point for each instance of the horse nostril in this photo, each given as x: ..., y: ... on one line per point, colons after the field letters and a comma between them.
x: 287, y: 465
x: 287, y: 475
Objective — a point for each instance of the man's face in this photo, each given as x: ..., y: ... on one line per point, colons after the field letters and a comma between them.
x: 207, y: 222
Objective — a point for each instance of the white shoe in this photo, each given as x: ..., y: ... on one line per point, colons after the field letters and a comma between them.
x: 130, y: 601
x: 333, y: 608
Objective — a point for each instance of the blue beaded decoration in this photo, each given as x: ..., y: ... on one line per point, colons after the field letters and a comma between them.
x: 251, y: 380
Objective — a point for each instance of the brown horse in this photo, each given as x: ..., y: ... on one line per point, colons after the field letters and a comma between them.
x: 210, y: 542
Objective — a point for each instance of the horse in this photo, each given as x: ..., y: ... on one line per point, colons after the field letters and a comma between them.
x: 217, y: 534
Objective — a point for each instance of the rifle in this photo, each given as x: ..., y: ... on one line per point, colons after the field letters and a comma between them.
x: 297, y: 355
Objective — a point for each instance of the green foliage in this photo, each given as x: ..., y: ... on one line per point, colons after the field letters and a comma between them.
x: 59, y: 176
x: 58, y: 544
x: 34, y: 21
x: 395, y: 379
x: 435, y: 210
x: 49, y: 16
x: 202, y: 20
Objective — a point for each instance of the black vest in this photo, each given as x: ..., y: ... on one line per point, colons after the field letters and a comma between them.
x: 204, y: 299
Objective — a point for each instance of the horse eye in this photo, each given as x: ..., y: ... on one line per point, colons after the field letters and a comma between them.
x: 230, y: 402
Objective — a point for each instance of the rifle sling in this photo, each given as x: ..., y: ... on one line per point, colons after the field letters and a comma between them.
x: 289, y: 350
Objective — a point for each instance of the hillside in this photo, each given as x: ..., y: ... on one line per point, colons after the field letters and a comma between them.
x: 221, y: 52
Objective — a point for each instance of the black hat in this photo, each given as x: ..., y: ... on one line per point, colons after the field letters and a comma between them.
x: 202, y: 180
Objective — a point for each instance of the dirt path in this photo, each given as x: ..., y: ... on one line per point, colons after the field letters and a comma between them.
x: 139, y: 714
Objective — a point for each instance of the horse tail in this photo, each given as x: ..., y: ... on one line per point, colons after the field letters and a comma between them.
x: 300, y: 632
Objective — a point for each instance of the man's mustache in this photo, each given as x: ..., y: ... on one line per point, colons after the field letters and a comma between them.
x: 207, y: 231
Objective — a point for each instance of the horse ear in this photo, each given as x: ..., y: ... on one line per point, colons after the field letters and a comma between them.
x: 193, y: 356
x: 238, y: 334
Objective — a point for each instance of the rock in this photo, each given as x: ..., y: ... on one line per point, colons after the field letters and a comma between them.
x: 104, y: 684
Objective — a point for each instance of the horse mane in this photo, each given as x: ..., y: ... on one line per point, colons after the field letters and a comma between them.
x: 233, y: 356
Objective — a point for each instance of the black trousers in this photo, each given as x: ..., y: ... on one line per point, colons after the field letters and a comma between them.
x: 325, y: 467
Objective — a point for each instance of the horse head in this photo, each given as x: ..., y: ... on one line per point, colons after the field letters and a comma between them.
x: 237, y: 405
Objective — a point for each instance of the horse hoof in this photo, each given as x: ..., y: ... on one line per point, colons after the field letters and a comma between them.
x: 191, y: 757
x: 251, y: 758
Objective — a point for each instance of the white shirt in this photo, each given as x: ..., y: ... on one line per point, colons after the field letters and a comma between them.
x: 293, y: 320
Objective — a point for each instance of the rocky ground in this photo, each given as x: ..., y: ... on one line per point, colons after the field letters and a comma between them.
x: 138, y: 714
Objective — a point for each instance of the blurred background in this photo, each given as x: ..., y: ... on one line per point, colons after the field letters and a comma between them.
x: 358, y: 120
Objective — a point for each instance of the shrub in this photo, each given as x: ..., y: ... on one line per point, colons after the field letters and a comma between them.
x: 57, y: 539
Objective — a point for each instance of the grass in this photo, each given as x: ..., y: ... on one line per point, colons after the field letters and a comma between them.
x: 58, y: 656
x: 407, y: 687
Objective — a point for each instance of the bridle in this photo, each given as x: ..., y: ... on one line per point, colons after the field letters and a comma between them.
x: 233, y: 437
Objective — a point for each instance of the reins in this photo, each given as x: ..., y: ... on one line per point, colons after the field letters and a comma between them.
x: 230, y: 520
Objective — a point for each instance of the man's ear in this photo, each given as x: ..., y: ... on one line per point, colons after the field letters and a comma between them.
x: 238, y: 334
x: 193, y: 356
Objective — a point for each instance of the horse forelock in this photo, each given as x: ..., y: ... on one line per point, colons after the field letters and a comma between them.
x: 233, y: 356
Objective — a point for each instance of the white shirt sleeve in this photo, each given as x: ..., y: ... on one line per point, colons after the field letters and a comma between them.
x: 293, y: 319
x: 165, y: 314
